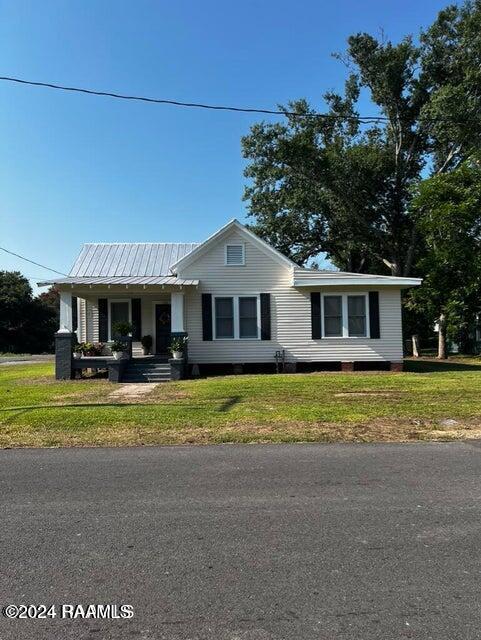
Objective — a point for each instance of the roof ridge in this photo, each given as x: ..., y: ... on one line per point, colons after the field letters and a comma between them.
x: 119, y: 243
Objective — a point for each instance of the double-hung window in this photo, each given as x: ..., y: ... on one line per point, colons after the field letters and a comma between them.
x: 345, y: 315
x: 236, y: 317
x: 224, y: 318
x: 333, y: 316
x: 119, y: 312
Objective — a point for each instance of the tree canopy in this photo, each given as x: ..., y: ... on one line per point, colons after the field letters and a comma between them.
x: 340, y: 185
x: 27, y: 324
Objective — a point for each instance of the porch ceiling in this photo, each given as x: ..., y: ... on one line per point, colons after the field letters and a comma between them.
x: 133, y: 280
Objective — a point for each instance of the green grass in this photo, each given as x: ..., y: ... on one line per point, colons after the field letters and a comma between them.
x: 36, y: 410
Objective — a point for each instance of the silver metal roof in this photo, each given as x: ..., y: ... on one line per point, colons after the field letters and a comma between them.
x: 133, y: 280
x: 129, y: 259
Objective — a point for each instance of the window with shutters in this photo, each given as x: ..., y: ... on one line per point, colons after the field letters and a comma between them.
x: 234, y: 255
x: 119, y: 311
x: 236, y: 317
x: 345, y: 315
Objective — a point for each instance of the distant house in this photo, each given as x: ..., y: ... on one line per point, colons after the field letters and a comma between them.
x: 239, y: 301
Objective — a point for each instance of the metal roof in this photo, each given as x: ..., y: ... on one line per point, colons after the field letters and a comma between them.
x: 133, y: 280
x: 314, y: 278
x: 128, y: 259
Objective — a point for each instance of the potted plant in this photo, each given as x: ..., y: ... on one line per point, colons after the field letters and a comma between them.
x: 146, y: 342
x: 122, y: 329
x: 92, y: 349
x: 78, y: 351
x: 177, y: 347
x: 118, y: 348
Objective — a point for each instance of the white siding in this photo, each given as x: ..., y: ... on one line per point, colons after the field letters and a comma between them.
x: 290, y: 313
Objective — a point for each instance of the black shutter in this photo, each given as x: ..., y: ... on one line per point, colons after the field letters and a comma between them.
x: 316, y: 315
x: 206, y: 316
x: 136, y: 319
x: 265, y: 316
x: 103, y: 319
x: 374, y: 329
x: 74, y: 314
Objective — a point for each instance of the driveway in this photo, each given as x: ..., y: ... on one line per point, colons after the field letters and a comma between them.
x: 360, y: 542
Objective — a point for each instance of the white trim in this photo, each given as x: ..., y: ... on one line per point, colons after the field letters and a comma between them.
x: 235, y: 299
x: 78, y: 331
x: 345, y: 315
x: 129, y: 301
x: 233, y: 224
x: 235, y: 264
x: 177, y: 321
x: 334, y: 281
x: 65, y: 315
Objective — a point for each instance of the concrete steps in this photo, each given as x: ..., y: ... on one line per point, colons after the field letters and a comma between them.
x: 147, y: 370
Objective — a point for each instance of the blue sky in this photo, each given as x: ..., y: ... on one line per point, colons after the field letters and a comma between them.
x: 80, y: 169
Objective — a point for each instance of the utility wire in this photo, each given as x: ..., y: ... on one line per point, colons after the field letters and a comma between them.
x: 17, y: 255
x: 196, y: 105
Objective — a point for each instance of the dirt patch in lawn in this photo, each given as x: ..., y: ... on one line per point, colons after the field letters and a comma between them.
x: 364, y: 394
x: 136, y: 435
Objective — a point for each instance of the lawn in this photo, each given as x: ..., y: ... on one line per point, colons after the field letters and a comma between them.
x: 430, y: 401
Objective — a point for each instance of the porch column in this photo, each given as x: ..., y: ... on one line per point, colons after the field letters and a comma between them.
x: 64, y: 339
x: 65, y: 312
x: 177, y: 312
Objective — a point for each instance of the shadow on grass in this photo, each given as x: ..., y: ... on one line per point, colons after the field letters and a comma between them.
x: 229, y: 403
x: 18, y: 411
x: 439, y: 366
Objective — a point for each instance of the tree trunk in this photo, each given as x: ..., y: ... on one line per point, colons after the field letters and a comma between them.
x: 442, y: 337
x: 415, y: 340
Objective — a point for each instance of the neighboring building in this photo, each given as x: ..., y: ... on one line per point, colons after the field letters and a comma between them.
x: 238, y: 299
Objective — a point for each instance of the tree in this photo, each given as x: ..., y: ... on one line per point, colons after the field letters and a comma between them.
x: 450, y: 57
x: 15, y: 301
x: 448, y: 212
x: 331, y: 184
x: 344, y: 186
x: 27, y: 324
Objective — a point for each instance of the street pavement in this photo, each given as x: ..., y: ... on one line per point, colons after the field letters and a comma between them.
x: 245, y: 542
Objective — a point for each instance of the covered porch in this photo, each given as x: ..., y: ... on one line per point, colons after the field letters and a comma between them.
x: 90, y: 308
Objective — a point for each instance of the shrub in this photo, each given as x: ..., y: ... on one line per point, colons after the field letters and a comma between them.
x: 118, y: 345
x: 178, y: 344
x: 122, y: 328
x: 147, y: 342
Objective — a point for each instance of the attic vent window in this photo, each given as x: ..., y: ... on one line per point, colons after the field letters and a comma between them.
x: 234, y: 255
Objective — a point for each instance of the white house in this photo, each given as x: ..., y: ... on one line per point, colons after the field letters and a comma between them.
x: 237, y: 298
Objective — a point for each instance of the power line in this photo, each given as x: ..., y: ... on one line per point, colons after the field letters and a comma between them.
x: 196, y: 105
x: 17, y: 255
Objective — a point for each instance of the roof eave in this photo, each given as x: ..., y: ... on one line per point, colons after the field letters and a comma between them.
x: 377, y: 281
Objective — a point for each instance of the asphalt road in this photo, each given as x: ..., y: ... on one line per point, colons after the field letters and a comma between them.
x: 360, y: 542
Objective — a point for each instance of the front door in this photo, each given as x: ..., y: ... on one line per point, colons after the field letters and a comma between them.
x: 162, y: 329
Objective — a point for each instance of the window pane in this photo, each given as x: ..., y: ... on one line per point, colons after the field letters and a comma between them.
x: 224, y: 318
x: 356, y: 306
x: 224, y: 328
x: 248, y: 317
x: 333, y: 305
x: 332, y: 316
x: 119, y: 312
x: 248, y: 307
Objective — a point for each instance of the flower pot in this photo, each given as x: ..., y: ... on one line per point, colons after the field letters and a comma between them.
x: 77, y: 355
x: 117, y: 355
x: 145, y: 351
x: 177, y: 355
